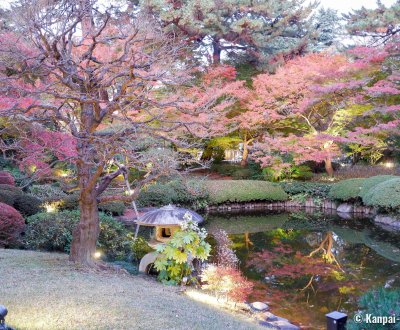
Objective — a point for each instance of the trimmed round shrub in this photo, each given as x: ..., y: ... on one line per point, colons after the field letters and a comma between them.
x: 385, y: 195
x: 231, y: 191
x: 15, y: 197
x: 11, y: 225
x: 28, y: 205
x: 372, y: 181
x: 186, y: 193
x: 157, y: 194
x: 53, y: 232
x: 346, y: 190
x: 314, y: 189
x: 114, y: 208
x: 6, y: 178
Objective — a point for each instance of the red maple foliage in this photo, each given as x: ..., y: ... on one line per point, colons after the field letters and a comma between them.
x: 11, y: 225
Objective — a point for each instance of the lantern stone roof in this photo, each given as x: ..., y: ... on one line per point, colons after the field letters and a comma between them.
x: 168, y: 215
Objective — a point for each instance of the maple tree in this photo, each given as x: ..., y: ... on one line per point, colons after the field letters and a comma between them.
x: 319, y: 101
x: 104, y: 92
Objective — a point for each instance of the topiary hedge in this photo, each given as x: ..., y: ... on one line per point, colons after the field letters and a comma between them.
x: 11, y: 225
x: 312, y: 189
x: 113, y: 208
x: 346, y: 190
x: 53, y: 232
x: 373, y: 181
x: 385, y: 195
x: 230, y: 191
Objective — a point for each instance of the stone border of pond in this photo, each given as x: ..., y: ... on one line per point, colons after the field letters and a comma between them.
x: 343, y: 210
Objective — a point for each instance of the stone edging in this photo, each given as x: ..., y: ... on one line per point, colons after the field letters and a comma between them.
x: 344, y: 210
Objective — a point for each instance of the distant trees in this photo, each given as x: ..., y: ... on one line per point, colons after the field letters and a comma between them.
x: 317, y: 102
x: 380, y: 24
x: 257, y: 31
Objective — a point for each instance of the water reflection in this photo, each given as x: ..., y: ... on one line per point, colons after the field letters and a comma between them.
x: 307, y: 265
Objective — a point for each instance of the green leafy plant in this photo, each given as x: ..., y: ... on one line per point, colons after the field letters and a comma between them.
x: 175, y: 257
x: 140, y: 248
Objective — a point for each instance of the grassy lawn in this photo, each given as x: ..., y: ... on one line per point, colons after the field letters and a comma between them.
x: 45, y: 291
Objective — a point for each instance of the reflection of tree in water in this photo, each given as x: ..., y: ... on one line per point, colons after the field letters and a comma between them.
x: 326, y: 247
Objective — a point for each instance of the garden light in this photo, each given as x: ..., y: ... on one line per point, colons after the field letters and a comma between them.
x: 389, y: 165
x: 97, y: 255
x: 50, y: 208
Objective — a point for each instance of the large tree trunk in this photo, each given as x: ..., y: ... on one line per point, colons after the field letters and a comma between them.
x: 86, y: 232
x: 329, y: 167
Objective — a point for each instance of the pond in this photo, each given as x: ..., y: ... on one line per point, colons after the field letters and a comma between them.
x: 306, y: 265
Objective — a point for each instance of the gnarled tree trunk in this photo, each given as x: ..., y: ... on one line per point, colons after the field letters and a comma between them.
x: 86, y: 232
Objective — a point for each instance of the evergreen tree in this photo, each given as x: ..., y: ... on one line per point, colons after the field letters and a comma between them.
x: 381, y: 23
x: 258, y: 30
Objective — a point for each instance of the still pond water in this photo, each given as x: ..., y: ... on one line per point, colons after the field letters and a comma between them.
x: 306, y: 265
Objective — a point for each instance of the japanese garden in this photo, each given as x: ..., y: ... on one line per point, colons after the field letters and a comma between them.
x: 199, y: 164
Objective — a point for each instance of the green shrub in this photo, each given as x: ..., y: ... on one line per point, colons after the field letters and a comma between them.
x: 190, y: 193
x: 53, y: 232
x: 47, y: 192
x: 385, y: 195
x: 226, y: 169
x: 114, y: 208
x: 15, y: 197
x: 372, y: 181
x: 380, y: 302
x: 230, y: 191
x: 242, y: 174
x: 140, y: 248
x: 312, y: 189
x: 28, y: 204
x: 295, y: 172
x: 70, y: 202
x: 114, y: 239
x: 157, y: 194
x: 346, y: 190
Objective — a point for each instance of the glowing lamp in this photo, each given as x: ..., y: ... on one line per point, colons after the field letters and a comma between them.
x: 389, y: 165
x: 97, y: 255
